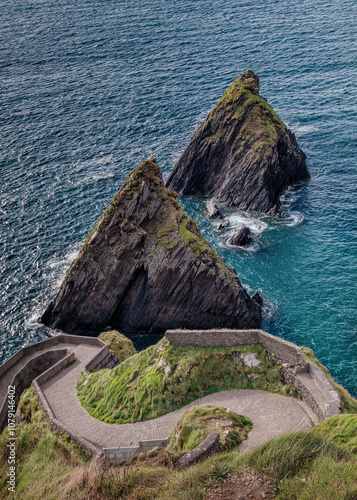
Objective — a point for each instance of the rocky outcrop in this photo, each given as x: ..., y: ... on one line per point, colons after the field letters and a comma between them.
x: 241, y: 238
x: 242, y: 154
x: 146, y: 267
x: 213, y: 210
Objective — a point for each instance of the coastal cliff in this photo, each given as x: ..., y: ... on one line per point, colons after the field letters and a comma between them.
x: 243, y: 155
x: 146, y: 267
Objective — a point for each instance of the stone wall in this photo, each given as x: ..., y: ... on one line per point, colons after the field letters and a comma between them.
x: 45, y: 365
x: 121, y: 455
x: 284, y: 350
x: 24, y: 377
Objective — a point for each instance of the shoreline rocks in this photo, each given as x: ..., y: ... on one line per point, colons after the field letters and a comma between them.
x: 147, y: 267
x: 242, y: 155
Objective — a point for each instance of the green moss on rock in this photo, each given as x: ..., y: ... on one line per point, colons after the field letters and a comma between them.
x: 118, y: 343
x: 199, y: 421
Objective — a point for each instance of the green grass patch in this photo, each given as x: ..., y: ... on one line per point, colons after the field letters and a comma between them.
x: 199, y: 421
x: 118, y: 343
x: 164, y: 377
x: 44, y: 459
x: 340, y: 429
x: 316, y: 464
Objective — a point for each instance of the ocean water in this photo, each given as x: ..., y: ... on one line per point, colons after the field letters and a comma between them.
x: 90, y: 89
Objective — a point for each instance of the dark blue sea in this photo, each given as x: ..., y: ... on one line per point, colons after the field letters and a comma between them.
x: 91, y: 88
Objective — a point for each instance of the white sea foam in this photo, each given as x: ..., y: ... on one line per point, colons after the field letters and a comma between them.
x: 300, y: 130
x: 32, y: 321
x: 59, y: 262
x: 239, y: 219
x: 96, y: 169
x: 58, y: 267
x: 294, y: 219
x: 290, y: 217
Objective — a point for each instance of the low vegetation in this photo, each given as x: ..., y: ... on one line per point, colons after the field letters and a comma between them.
x: 320, y: 463
x: 118, y: 343
x: 163, y: 378
x: 45, y: 460
x: 195, y: 425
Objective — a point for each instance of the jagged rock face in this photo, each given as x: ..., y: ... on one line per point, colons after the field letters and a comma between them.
x: 146, y: 267
x: 242, y: 154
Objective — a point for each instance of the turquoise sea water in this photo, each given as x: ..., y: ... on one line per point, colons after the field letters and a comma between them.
x: 90, y: 89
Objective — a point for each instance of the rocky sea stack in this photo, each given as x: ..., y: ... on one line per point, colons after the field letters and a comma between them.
x: 243, y: 155
x: 146, y: 267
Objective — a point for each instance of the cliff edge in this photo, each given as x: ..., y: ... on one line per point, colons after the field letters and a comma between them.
x: 146, y: 267
x: 243, y: 155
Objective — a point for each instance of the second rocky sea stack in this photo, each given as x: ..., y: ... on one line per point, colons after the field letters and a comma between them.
x: 242, y: 155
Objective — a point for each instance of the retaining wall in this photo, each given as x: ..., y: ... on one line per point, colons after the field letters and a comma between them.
x: 121, y: 455
x: 89, y: 448
x: 24, y: 377
x: 284, y: 350
x: 48, y: 363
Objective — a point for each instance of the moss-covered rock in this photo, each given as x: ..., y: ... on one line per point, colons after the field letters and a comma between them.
x: 242, y: 154
x: 199, y: 421
x: 118, y: 343
x: 147, y: 268
x: 164, y: 377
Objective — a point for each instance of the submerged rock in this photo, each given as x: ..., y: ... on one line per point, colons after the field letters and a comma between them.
x: 223, y: 225
x: 242, y: 154
x: 241, y: 238
x: 146, y: 267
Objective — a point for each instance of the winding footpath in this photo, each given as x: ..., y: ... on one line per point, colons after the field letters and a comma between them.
x: 271, y: 414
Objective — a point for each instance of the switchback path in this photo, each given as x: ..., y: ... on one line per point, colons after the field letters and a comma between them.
x: 271, y: 414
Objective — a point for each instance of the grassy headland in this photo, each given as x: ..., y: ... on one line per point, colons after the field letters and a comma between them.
x: 163, y: 378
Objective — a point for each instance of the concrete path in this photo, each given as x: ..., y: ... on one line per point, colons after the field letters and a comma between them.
x: 270, y: 413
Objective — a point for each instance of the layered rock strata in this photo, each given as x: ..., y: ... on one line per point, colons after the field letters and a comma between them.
x: 242, y: 154
x: 146, y: 267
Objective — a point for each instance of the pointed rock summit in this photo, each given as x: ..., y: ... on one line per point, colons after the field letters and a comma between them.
x: 242, y: 154
x: 146, y: 267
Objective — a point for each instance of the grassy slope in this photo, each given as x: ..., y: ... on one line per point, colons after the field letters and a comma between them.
x: 319, y: 464
x: 44, y: 459
x: 119, y: 344
x: 164, y: 378
x: 303, y: 466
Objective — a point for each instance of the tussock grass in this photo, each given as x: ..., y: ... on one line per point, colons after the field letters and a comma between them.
x: 44, y: 459
x: 317, y: 464
x: 195, y: 425
x: 118, y: 343
x: 164, y: 377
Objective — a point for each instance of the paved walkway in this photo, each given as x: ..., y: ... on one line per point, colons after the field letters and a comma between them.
x: 271, y: 414
x: 7, y: 377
